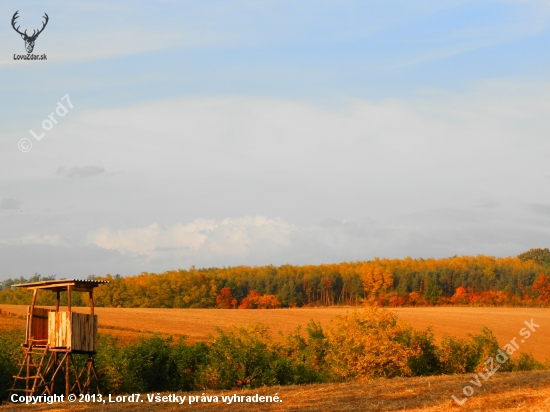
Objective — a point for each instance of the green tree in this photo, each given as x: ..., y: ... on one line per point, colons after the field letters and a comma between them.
x: 538, y: 255
x: 432, y: 291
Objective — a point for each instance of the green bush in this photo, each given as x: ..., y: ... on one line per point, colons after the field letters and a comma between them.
x: 241, y: 358
x: 426, y: 361
x: 10, y: 354
x: 111, y: 365
x: 466, y: 355
x: 150, y: 364
x: 188, y: 361
x: 523, y: 362
x: 307, y: 358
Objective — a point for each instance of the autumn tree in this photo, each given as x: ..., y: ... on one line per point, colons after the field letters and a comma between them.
x: 256, y: 301
x: 538, y: 255
x: 460, y: 296
x: 226, y: 300
x: 416, y: 299
x: 376, y: 279
x: 352, y: 287
x: 542, y: 287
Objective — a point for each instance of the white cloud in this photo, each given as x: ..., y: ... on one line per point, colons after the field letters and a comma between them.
x: 260, y: 240
x: 227, y: 237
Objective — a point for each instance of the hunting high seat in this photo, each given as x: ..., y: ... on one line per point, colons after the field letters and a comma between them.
x: 52, y: 336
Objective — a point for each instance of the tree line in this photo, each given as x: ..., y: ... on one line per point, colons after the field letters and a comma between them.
x: 459, y: 280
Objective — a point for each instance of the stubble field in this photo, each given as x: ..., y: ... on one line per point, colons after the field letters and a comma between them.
x: 197, y: 324
x: 518, y: 391
x: 525, y: 391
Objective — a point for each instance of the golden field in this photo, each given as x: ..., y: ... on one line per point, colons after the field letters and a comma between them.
x: 525, y: 391
x: 518, y: 391
x: 197, y: 324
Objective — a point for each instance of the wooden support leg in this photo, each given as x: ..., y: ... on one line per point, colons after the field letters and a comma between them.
x: 29, y: 360
x: 57, y: 368
x: 67, y: 377
x: 89, y: 380
x: 76, y: 384
x: 91, y: 296
x: 52, y: 365
x: 95, y: 375
x: 29, y: 319
x: 69, y: 298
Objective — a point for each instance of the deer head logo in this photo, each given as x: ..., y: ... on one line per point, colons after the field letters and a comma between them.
x: 29, y: 40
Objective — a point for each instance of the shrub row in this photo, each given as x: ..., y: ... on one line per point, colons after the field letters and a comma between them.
x: 357, y: 346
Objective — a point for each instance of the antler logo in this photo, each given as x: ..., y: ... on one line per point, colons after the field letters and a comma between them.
x: 29, y: 40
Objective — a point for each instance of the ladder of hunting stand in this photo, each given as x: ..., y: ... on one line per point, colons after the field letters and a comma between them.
x: 31, y: 370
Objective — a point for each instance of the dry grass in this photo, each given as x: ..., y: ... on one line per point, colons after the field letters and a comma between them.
x: 197, y: 324
x: 9, y: 320
x: 520, y: 391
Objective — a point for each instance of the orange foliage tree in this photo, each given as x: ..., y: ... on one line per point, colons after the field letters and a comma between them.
x: 376, y: 279
x: 460, y: 296
x: 542, y: 287
x: 255, y: 300
x: 226, y: 300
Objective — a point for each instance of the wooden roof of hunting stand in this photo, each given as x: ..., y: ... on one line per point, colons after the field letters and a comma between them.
x: 63, y: 285
x: 51, y: 333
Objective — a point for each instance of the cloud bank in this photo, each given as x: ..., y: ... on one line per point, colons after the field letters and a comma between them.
x: 206, y: 237
x: 246, y: 180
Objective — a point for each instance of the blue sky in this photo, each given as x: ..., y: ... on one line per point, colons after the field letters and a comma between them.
x: 246, y: 132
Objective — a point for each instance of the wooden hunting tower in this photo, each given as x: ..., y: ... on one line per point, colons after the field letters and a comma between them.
x: 52, y: 338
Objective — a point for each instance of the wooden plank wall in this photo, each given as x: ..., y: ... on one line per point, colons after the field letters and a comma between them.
x: 39, y: 330
x: 84, y: 333
x: 39, y: 327
x: 73, y: 331
x: 59, y: 330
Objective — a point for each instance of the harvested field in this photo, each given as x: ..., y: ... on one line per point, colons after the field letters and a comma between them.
x: 525, y: 391
x: 197, y: 324
x: 9, y: 320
